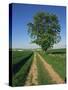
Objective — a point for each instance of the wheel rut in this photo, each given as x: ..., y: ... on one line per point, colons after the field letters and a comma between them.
x: 32, y: 78
x: 52, y: 73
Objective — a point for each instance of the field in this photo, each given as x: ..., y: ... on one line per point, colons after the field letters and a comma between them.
x: 21, y: 62
x: 57, y: 58
x: 38, y: 67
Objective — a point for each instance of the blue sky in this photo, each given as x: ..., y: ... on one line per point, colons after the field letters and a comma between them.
x: 22, y: 14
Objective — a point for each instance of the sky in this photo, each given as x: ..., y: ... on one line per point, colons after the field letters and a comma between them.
x: 22, y: 14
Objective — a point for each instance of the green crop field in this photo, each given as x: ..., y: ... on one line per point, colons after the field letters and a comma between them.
x: 56, y: 51
x: 21, y: 62
x: 43, y: 76
x: 17, y: 56
x: 56, y: 58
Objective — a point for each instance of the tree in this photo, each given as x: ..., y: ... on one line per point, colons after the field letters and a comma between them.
x: 44, y: 30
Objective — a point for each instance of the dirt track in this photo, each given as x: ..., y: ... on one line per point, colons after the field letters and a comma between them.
x: 32, y: 78
x: 33, y: 75
x: 54, y: 75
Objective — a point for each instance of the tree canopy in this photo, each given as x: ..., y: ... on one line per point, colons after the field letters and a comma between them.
x: 44, y: 30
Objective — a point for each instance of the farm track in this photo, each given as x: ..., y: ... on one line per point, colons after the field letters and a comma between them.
x: 32, y: 78
x: 54, y: 75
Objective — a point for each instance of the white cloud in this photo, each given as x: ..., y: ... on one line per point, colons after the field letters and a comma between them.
x: 31, y: 46
x: 61, y: 44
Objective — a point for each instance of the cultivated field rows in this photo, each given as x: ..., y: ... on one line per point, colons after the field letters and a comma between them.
x: 38, y: 68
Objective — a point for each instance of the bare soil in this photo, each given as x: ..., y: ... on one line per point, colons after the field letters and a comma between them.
x: 52, y: 73
x: 32, y: 78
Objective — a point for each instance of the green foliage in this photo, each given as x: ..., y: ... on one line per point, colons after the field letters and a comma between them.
x: 44, y: 30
